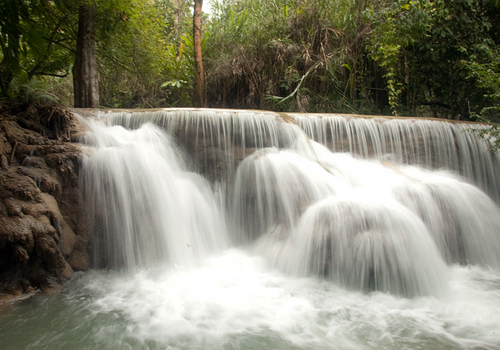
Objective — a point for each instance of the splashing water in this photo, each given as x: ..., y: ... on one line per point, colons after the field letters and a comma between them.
x: 235, y: 230
x: 130, y: 179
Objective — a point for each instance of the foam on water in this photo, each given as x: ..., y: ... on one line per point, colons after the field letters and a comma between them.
x: 237, y: 301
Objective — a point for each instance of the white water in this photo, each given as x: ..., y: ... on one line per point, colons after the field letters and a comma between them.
x: 290, y: 247
x: 148, y: 207
x: 237, y: 301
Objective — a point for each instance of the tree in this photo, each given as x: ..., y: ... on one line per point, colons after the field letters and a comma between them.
x: 85, y: 81
x: 428, y: 58
x: 36, y: 40
x: 131, y: 52
x: 10, y: 42
x: 39, y: 39
x: 397, y: 26
x: 439, y: 58
x: 199, y: 80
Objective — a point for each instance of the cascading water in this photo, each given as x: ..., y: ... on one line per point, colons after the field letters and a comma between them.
x: 147, y: 207
x: 256, y: 230
x: 427, y: 143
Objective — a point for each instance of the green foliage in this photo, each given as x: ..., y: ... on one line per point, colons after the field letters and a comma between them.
x: 490, y: 134
x: 131, y: 53
x: 437, y: 58
x: 179, y: 72
x: 395, y: 28
x: 177, y: 18
x: 487, y: 76
x: 282, y: 54
x: 36, y: 40
x: 35, y: 92
x: 436, y: 55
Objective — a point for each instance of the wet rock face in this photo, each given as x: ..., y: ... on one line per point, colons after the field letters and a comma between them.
x: 43, y: 237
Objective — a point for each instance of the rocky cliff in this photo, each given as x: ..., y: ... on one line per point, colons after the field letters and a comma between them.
x: 43, y: 237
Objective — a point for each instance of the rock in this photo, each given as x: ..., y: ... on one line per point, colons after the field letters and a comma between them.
x: 68, y: 239
x: 13, y: 208
x: 79, y: 260
x: 20, y: 254
x: 43, y: 237
x: 67, y: 272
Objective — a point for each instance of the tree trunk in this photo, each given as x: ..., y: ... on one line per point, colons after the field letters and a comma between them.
x: 199, y: 78
x: 177, y: 14
x: 85, y: 82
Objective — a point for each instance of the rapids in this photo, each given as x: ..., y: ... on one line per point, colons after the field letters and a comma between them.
x: 256, y: 230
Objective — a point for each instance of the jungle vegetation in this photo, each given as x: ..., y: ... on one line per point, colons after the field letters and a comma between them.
x: 437, y: 58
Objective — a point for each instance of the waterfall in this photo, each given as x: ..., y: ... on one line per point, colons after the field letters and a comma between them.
x: 368, y: 203
x: 144, y: 203
x: 431, y: 144
x: 246, y: 230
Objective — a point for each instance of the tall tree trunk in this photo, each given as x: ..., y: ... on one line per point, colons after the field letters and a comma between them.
x: 177, y: 14
x: 199, y: 78
x: 85, y: 82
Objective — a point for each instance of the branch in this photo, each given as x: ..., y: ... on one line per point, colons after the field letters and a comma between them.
x: 51, y: 74
x: 50, y: 42
x: 281, y: 100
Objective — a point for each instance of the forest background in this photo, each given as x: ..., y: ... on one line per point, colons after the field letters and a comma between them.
x: 411, y: 58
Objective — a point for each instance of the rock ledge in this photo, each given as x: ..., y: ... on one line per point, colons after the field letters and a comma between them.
x: 43, y: 236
